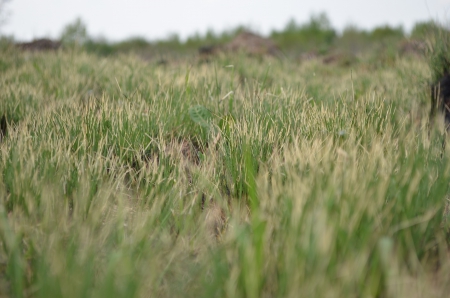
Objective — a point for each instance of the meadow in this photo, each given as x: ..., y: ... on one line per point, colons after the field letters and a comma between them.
x: 240, y: 177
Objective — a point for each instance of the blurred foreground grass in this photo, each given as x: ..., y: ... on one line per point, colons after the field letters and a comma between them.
x: 238, y: 178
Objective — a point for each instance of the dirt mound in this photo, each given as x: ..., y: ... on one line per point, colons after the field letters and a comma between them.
x: 252, y: 44
x: 341, y: 59
x: 208, y: 50
x: 412, y: 47
x: 43, y: 44
x: 308, y: 56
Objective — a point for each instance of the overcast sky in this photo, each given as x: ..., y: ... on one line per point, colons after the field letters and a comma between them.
x: 155, y: 19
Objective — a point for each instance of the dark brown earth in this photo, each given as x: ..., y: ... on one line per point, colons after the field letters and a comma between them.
x: 252, y: 44
x: 412, y: 47
x: 3, y: 127
x: 43, y: 44
x: 245, y: 42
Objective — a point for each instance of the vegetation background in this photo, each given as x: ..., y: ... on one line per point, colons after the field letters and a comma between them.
x: 233, y: 177
x: 315, y: 36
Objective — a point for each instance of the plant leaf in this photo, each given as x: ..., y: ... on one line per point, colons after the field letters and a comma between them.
x: 200, y: 115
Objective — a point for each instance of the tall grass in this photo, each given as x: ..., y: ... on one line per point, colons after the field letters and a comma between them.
x: 239, y: 178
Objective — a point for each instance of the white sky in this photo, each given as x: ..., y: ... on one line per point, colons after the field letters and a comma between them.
x: 155, y: 19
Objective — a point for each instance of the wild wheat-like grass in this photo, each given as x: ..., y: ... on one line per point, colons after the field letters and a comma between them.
x: 302, y: 179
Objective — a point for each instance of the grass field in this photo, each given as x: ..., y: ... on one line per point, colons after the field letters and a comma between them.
x: 241, y: 177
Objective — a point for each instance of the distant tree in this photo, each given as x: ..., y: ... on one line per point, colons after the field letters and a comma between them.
x: 353, y: 39
x: 173, y: 38
x: 291, y: 26
x: 3, y: 12
x: 132, y: 44
x: 210, y: 35
x: 99, y: 46
x: 319, y: 22
x: 75, y: 33
x: 422, y: 30
x: 352, y: 31
x: 387, y: 32
x: 172, y: 41
x: 316, y: 35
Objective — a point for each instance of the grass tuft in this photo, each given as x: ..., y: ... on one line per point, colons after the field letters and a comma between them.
x: 237, y: 178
